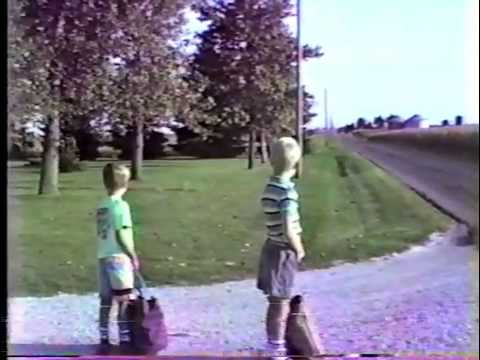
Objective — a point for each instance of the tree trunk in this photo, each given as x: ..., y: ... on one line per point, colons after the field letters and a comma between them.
x: 264, y: 146
x: 137, y: 155
x: 251, y: 148
x: 50, y: 158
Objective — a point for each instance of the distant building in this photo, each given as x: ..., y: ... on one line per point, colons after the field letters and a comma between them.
x: 394, y: 122
x: 415, y: 122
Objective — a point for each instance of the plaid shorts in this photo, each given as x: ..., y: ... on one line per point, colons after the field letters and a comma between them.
x: 116, y: 276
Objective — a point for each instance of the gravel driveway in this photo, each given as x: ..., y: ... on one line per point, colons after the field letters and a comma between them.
x: 419, y: 301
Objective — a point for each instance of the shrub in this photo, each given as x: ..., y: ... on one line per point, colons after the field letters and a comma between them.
x: 210, y: 148
x: 68, y: 161
x: 307, y: 146
x: 108, y: 152
x: 88, y: 143
x: 15, y: 152
x: 154, y: 146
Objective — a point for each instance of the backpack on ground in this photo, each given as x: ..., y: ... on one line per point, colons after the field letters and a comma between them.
x: 148, y: 331
x: 302, y: 337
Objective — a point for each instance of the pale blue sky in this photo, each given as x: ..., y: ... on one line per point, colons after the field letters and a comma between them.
x: 388, y: 57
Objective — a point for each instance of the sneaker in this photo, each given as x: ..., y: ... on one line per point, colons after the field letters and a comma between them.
x: 103, y: 348
x: 279, y: 357
x: 127, y: 348
x: 277, y: 352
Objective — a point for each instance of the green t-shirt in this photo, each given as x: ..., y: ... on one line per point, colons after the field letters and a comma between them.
x: 113, y: 214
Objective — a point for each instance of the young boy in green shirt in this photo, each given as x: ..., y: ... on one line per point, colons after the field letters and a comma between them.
x: 283, y: 249
x: 117, y: 259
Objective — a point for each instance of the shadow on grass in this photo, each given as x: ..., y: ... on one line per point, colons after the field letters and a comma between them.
x: 24, y: 170
x: 22, y: 187
x: 159, y: 189
x: 145, y: 165
x: 87, y: 188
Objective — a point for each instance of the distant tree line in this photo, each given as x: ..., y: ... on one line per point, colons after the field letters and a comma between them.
x: 392, y: 122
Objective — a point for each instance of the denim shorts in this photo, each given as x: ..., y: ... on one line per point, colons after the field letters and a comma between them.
x: 115, y: 275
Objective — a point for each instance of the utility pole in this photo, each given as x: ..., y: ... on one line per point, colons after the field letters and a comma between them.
x: 325, y: 105
x: 299, y: 89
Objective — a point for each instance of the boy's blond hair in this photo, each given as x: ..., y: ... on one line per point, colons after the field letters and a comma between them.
x: 285, y: 154
x: 115, y: 177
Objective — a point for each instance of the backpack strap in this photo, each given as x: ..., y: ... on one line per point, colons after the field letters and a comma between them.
x: 140, y: 284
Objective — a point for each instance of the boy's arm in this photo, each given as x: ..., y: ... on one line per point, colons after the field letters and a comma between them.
x: 294, y: 238
x: 123, y: 237
x: 123, y: 232
x: 289, y: 209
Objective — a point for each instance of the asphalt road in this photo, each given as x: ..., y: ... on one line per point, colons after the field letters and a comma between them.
x: 450, y: 184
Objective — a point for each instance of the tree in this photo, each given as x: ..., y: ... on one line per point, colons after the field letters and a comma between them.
x: 361, y: 122
x: 458, y: 120
x: 248, y: 56
x: 445, y: 123
x: 349, y: 128
x: 149, y: 80
x: 379, y: 122
x: 54, y: 52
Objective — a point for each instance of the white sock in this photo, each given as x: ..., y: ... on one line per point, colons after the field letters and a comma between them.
x: 104, y: 334
x: 277, y: 349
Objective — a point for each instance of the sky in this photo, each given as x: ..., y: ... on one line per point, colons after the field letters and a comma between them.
x: 385, y: 57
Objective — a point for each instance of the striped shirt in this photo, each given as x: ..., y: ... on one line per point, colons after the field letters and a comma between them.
x: 280, y: 204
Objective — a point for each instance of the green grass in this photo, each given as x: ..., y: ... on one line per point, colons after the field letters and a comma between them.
x: 193, y: 216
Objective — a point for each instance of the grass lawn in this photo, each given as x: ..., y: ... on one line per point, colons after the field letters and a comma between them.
x: 199, y: 221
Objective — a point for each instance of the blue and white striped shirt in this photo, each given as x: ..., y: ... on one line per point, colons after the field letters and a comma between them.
x: 280, y: 204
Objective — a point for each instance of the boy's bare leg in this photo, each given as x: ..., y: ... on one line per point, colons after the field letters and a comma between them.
x: 104, y: 317
x: 123, y: 328
x: 276, y: 323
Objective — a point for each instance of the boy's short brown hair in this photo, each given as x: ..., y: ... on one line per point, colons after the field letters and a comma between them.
x: 285, y: 154
x: 115, y: 176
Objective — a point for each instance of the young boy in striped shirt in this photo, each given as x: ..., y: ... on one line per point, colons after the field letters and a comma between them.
x: 283, y: 249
